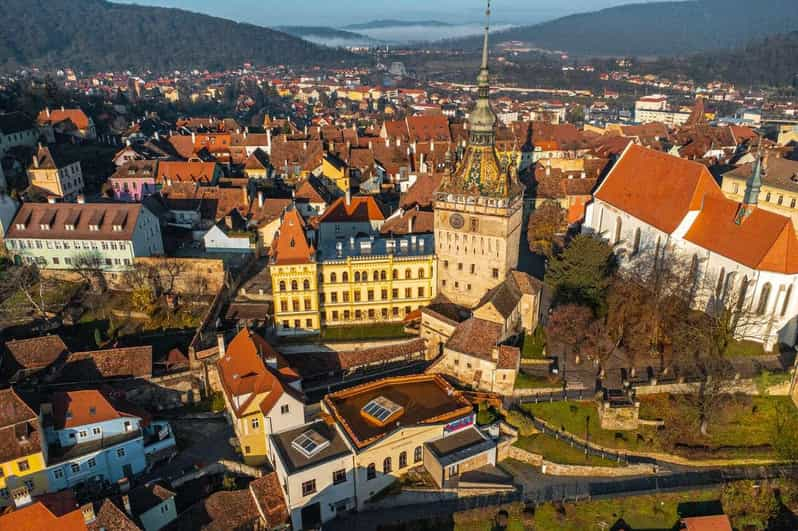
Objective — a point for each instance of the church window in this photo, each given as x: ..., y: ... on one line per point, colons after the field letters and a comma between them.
x: 618, y: 227
x: 743, y: 293
x: 721, y: 279
x: 764, y: 298
x: 636, y: 245
x: 786, y: 304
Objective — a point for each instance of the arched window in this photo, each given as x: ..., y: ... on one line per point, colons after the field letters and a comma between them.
x: 729, y: 285
x: 636, y: 244
x: 386, y: 465
x: 306, y: 284
x: 294, y: 285
x: 282, y: 285
x: 618, y: 227
x: 417, y: 454
x: 408, y: 274
x: 383, y: 275
x: 421, y: 273
x: 402, y: 460
x: 743, y: 293
x: 786, y: 304
x: 767, y: 197
x: 376, y: 275
x: 333, y: 277
x: 357, y: 276
x: 764, y: 298
x: 721, y: 280
x: 371, y: 471
x: 396, y: 274
x: 345, y: 277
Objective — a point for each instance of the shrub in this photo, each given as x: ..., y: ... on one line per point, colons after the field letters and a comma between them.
x: 217, y: 402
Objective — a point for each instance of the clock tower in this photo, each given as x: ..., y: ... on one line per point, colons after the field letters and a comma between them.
x: 478, y: 209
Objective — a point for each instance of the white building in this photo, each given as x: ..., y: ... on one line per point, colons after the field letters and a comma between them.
x: 316, y: 471
x: 653, y: 201
x: 655, y: 108
x: 63, y: 236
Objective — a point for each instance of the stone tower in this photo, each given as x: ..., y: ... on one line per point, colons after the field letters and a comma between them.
x: 478, y: 209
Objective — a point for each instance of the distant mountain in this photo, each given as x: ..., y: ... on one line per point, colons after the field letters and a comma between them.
x: 772, y: 61
x: 657, y: 28
x: 97, y: 35
x: 328, y: 36
x: 388, y: 23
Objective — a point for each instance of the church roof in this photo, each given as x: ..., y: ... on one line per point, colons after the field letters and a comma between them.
x: 657, y: 188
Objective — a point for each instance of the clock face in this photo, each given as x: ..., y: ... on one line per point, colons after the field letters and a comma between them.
x: 456, y: 221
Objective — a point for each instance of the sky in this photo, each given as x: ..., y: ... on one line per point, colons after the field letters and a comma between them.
x: 338, y: 13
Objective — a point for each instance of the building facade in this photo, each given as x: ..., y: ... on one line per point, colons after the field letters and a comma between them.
x: 23, y: 461
x: 54, y: 176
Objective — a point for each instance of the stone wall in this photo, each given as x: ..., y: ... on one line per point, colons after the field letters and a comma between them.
x: 168, y: 391
x: 556, y: 469
x: 619, y: 417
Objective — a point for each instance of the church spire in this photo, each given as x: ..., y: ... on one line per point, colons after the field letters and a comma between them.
x: 752, y: 187
x: 482, y: 121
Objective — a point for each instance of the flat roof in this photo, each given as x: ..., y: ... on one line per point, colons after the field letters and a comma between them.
x: 426, y: 399
x: 411, y: 245
x: 294, y: 460
x: 460, y: 446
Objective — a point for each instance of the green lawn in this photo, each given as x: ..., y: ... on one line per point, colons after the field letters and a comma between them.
x: 558, y: 451
x: 526, y: 381
x: 534, y: 344
x: 740, y: 427
x: 739, y: 349
x: 370, y: 331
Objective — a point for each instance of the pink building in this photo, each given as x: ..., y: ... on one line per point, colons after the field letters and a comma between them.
x: 134, y: 181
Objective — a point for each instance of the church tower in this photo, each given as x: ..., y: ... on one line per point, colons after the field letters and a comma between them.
x: 478, y: 209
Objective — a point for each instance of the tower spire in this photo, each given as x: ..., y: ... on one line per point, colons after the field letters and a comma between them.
x: 483, y: 121
x: 752, y: 187
x: 485, y: 43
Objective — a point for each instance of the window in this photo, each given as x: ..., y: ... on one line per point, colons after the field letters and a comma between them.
x: 763, y: 300
x: 408, y: 274
x: 395, y: 275
x: 786, y: 301
x: 284, y: 409
x: 339, y: 476
x: 345, y: 277
x: 306, y: 284
x: 76, y: 467
x: 473, y: 268
x: 402, y: 459
x: 459, y: 267
x: 307, y: 304
x: 420, y: 292
x: 495, y: 273
x: 96, y: 430
x: 386, y: 465
x: 370, y: 295
x: 92, y: 463
x: 345, y: 296
x: 334, y: 297
x: 255, y: 424
x: 58, y: 473
x: 420, y: 273
x: 333, y: 277
x: 618, y: 227
x: 120, y: 452
x: 721, y: 282
x: 376, y: 275
x: 284, y: 306
x: 247, y: 450
x: 417, y: 454
x: 383, y: 294
x: 371, y: 471
x: 636, y: 244
x: 294, y: 285
x: 357, y: 276
x: 395, y: 293
x: 767, y: 197
x: 357, y: 295
x: 23, y: 465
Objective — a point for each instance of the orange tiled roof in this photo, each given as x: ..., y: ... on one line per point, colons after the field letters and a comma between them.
x: 76, y: 408
x: 198, y: 172
x: 359, y: 209
x: 36, y: 517
x: 718, y: 522
x: 764, y: 241
x: 657, y: 188
x: 291, y: 246
x: 76, y: 116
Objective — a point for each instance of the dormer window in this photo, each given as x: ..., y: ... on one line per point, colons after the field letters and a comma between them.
x: 44, y: 226
x: 117, y: 228
x: 69, y: 227
x: 94, y: 228
x: 20, y: 226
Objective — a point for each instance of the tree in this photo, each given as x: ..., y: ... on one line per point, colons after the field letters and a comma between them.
x: 568, y: 325
x: 89, y: 266
x: 582, y: 273
x: 785, y: 433
x: 749, y: 503
x: 546, y: 223
x: 27, y: 280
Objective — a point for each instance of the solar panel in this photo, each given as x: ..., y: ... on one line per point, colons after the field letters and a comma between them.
x: 310, y: 443
x: 381, y: 409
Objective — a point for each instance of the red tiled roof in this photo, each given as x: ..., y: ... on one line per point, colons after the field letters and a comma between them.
x: 763, y: 241
x: 359, y: 209
x: 78, y: 408
x: 37, y: 517
x: 718, y: 522
x: 49, y: 221
x: 657, y: 188
x: 422, y: 222
x: 291, y: 246
x: 268, y: 496
x: 179, y: 171
x: 37, y: 352
x: 76, y: 116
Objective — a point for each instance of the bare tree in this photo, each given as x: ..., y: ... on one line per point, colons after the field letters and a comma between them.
x: 27, y: 280
x: 89, y: 266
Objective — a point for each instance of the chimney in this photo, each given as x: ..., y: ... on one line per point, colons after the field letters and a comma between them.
x: 220, y: 342
x: 260, y: 199
x: 81, y: 199
x: 126, y: 503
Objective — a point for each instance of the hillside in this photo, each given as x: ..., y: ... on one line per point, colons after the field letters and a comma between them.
x: 770, y: 61
x: 328, y: 36
x: 658, y: 28
x: 97, y: 35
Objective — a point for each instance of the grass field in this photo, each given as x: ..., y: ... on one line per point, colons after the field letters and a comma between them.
x: 369, y: 331
x: 558, y: 451
x: 526, y: 381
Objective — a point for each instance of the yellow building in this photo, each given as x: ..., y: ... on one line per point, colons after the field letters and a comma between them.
x: 779, y: 192
x: 22, y: 470
x: 54, y: 176
x: 261, y: 396
x: 337, y: 172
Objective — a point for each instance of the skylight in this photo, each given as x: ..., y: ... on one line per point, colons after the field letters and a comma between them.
x: 310, y: 443
x: 380, y: 410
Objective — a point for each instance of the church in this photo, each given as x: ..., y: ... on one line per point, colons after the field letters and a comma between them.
x: 745, y: 255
